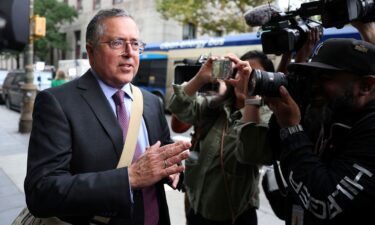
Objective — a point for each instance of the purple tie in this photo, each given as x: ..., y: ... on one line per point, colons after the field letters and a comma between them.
x: 122, y: 115
x: 150, y: 203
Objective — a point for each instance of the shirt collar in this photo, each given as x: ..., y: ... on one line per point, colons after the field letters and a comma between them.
x: 109, y: 91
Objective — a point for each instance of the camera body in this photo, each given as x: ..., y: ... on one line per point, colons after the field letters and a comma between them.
x: 14, y: 24
x: 187, y: 69
x: 286, y: 32
x: 337, y: 13
x: 286, y: 36
x: 222, y: 69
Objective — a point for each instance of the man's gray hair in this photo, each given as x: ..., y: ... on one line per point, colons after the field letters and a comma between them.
x: 95, y: 28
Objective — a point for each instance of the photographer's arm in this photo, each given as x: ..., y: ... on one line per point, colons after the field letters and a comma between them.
x: 303, y: 54
x: 286, y: 58
x: 201, y: 78
x: 367, y: 30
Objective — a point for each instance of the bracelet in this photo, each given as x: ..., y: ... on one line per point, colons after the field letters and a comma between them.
x: 254, y: 101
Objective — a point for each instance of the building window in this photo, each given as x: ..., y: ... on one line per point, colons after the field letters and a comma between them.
x: 189, y: 31
x: 77, y: 35
x: 218, y: 33
x: 117, y: 1
x: 79, y: 5
x: 66, y: 2
x: 96, y: 4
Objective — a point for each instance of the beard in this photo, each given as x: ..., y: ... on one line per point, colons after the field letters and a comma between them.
x: 343, y: 104
x: 322, y: 115
x: 315, y: 119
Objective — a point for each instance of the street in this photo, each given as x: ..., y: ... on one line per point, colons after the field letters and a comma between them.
x: 13, y: 156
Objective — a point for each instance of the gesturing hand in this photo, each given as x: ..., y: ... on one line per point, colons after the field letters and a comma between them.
x: 157, y: 162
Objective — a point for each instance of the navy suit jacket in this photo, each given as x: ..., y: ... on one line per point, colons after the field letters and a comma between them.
x: 75, y: 145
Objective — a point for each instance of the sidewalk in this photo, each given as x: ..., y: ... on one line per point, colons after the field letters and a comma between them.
x: 13, y: 153
x: 13, y: 156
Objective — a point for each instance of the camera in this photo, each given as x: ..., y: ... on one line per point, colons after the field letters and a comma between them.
x: 267, y: 84
x: 14, y: 24
x: 222, y: 69
x: 287, y: 37
x: 286, y: 32
x: 337, y: 13
x: 186, y: 69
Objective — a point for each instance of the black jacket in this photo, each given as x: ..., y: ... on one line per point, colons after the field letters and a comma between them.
x: 338, y: 186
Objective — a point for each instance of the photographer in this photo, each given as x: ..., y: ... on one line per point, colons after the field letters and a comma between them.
x: 221, y: 176
x: 331, y: 176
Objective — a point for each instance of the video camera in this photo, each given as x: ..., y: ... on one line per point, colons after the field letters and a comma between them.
x: 286, y: 32
x: 14, y: 24
x: 337, y: 13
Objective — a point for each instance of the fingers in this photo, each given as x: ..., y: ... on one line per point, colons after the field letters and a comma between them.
x: 174, y: 179
x: 155, y: 146
x: 233, y: 58
x: 285, y: 108
x: 170, y: 150
x: 176, y: 159
x: 284, y: 93
x: 172, y: 170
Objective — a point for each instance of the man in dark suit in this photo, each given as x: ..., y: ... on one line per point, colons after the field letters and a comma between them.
x: 76, y: 140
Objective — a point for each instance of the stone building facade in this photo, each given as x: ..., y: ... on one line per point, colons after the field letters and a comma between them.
x: 152, y: 27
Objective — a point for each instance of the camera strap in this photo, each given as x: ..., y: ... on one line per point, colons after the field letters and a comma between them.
x: 280, y: 179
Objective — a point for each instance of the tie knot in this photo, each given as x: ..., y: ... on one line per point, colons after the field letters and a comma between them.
x: 118, y: 97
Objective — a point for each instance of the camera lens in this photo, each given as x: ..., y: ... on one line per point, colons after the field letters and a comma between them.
x: 266, y: 83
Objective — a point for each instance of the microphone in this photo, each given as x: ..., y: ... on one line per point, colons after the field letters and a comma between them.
x: 260, y: 15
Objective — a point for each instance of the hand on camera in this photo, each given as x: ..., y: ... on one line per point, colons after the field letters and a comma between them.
x: 304, y: 53
x: 367, y: 30
x: 284, y: 108
x: 241, y: 80
x: 205, y: 72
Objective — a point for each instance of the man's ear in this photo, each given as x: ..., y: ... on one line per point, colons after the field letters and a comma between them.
x: 89, y: 48
x: 90, y: 52
x: 367, y: 85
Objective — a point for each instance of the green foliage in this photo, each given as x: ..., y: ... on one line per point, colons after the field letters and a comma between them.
x: 56, y: 13
x: 211, y: 15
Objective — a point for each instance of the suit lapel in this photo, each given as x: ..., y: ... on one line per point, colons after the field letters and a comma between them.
x: 148, y: 116
x: 94, y: 96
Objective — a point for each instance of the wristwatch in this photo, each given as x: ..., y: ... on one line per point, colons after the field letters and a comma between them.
x: 286, y: 131
x: 254, y: 101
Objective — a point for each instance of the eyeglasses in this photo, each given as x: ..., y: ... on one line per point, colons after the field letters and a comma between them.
x: 120, y: 44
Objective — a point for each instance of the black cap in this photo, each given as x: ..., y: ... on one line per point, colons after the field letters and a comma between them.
x: 341, y: 54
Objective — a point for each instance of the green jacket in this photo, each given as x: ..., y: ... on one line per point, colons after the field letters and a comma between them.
x: 214, y: 193
x: 56, y: 83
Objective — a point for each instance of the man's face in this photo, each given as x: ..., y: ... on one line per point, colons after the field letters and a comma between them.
x: 340, y: 90
x: 333, y: 95
x: 116, y: 67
